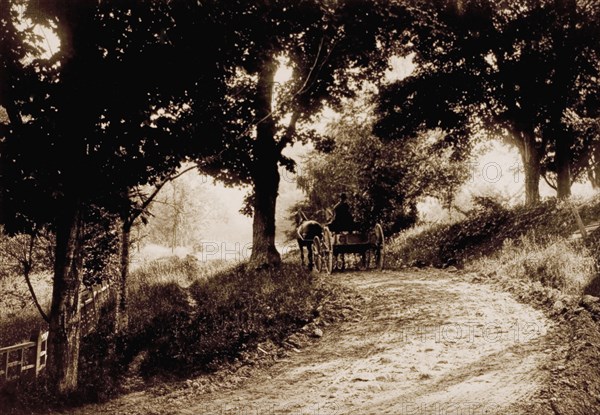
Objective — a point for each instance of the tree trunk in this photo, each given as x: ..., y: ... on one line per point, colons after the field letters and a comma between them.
x: 121, y: 320
x: 63, y: 342
x: 593, y: 173
x: 530, y: 154
x: 265, y: 172
x: 563, y: 166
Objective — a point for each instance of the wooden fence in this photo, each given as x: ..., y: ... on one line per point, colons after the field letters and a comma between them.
x: 20, y: 359
x: 91, y: 302
x: 29, y: 358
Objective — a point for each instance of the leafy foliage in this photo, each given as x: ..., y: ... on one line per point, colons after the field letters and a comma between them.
x: 385, y: 180
x: 100, y: 246
x: 330, y: 48
x: 25, y: 254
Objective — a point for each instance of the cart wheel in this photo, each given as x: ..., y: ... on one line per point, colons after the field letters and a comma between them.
x: 328, y: 250
x: 317, y: 252
x: 380, y: 246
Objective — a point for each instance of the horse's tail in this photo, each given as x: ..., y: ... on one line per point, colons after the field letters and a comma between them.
x: 309, y: 229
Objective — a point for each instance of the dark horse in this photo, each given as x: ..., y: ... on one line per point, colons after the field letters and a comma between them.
x: 306, y: 231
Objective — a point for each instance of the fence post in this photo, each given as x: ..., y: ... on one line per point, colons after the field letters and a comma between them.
x: 578, y: 220
x: 41, y: 352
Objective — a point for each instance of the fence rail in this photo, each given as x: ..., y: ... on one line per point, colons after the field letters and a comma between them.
x: 19, y: 359
x: 30, y: 357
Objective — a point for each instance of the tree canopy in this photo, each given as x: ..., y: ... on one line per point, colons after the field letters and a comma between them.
x: 511, y: 68
x: 103, y: 114
x: 135, y: 88
x: 328, y: 47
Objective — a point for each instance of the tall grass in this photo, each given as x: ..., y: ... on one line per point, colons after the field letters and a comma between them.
x: 237, y: 309
x: 19, y: 318
x: 186, y: 316
x: 553, y: 262
x: 159, y: 287
x: 483, y: 233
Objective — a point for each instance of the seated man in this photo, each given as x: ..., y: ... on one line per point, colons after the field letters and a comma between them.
x: 342, y: 218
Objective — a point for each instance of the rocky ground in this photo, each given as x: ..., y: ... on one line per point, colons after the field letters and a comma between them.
x: 407, y: 342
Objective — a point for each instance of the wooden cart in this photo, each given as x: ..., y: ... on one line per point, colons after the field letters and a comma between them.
x: 332, y: 246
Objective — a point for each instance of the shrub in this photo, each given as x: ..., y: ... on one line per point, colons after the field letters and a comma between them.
x: 98, y: 368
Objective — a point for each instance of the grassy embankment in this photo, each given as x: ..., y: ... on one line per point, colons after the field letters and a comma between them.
x: 529, y: 243
x: 186, y: 318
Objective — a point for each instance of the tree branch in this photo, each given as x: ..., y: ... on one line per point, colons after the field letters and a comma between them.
x: 289, y: 132
x: 27, y: 267
x: 145, y: 203
x: 552, y: 185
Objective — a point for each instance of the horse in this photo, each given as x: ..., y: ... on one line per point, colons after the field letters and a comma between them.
x: 307, y: 230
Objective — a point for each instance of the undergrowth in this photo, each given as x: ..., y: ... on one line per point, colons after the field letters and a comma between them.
x: 183, y: 331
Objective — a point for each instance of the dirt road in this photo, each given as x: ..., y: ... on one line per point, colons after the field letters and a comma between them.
x: 423, y: 342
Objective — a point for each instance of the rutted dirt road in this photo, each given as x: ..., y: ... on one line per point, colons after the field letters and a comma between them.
x: 423, y: 342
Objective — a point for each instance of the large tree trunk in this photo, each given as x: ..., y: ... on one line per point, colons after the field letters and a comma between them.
x: 563, y: 166
x: 265, y: 172
x: 530, y: 154
x: 63, y: 342
x: 593, y: 169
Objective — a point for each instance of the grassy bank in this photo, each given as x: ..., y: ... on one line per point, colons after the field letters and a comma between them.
x: 186, y: 318
x: 529, y: 252
x: 187, y: 328
x: 483, y: 233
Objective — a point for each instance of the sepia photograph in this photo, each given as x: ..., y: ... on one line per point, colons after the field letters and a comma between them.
x: 299, y: 207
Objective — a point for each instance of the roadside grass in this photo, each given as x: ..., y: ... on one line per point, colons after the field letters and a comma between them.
x: 188, y: 317
x: 238, y: 309
x: 483, y: 233
x: 525, y: 243
x: 159, y: 287
x: 553, y: 262
x: 193, y: 325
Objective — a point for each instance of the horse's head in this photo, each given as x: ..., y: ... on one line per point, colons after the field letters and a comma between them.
x: 329, y: 215
x: 300, y: 217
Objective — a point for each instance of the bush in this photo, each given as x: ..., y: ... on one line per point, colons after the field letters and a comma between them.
x: 99, y: 370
